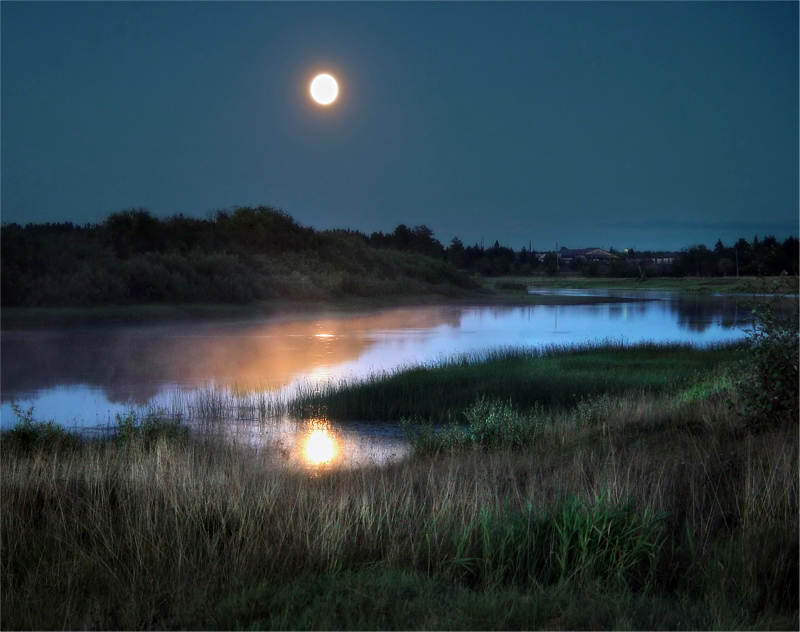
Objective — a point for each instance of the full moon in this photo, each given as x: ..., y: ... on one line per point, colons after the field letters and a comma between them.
x: 324, y: 89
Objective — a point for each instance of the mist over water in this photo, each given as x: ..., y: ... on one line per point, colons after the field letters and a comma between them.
x: 84, y: 377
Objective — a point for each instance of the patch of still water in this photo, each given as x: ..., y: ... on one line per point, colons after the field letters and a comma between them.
x: 84, y: 377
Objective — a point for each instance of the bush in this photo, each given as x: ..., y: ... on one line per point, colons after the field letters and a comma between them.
x: 30, y: 436
x: 491, y: 424
x: 770, y: 389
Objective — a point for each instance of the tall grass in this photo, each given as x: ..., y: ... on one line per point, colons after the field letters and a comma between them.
x: 213, y: 406
x: 639, y: 499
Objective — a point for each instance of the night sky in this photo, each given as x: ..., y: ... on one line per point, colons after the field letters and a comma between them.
x: 616, y: 124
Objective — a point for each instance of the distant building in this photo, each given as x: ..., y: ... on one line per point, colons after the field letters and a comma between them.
x: 585, y: 254
x: 665, y: 258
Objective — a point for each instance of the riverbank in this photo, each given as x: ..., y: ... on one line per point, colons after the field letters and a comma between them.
x: 54, y: 317
x: 716, y: 285
x: 649, y: 507
x: 487, y: 291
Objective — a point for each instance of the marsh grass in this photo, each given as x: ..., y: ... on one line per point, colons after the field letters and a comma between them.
x: 648, y: 506
x: 491, y: 423
x: 556, y: 375
x: 211, y: 405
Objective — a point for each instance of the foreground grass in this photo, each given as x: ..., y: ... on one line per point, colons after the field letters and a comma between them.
x: 378, y: 599
x: 645, y: 509
x: 554, y: 376
x: 200, y: 537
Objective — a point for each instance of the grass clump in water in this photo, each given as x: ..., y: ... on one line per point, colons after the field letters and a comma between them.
x: 149, y: 430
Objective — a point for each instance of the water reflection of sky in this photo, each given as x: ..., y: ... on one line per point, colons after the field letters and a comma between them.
x: 86, y: 377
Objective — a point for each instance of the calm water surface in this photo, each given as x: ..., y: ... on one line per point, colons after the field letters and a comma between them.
x: 84, y: 377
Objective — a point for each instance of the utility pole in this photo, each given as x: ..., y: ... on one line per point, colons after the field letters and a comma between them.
x: 736, y: 250
x: 558, y: 258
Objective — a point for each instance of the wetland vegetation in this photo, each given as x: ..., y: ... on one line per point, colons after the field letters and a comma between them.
x: 639, y: 494
x: 555, y: 376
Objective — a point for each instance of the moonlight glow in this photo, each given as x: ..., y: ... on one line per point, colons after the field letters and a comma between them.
x: 324, y: 89
x: 319, y: 447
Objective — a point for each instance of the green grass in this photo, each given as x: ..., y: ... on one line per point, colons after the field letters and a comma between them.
x: 553, y: 376
x: 722, y: 285
x: 391, y: 599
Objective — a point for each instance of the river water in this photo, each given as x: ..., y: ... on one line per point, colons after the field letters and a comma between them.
x: 83, y: 378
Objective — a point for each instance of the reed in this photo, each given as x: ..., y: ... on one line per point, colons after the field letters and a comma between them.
x: 556, y: 375
x: 648, y: 506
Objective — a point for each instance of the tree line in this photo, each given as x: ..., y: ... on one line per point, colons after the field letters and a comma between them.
x: 262, y: 253
x: 759, y: 257
x: 239, y: 256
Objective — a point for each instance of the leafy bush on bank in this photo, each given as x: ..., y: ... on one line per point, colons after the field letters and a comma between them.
x: 29, y: 435
x: 771, y: 385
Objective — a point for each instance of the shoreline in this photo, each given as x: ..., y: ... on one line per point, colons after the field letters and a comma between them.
x: 30, y: 318
x: 491, y: 293
x: 704, y: 285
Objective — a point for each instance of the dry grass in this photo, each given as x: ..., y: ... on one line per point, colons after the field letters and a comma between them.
x: 119, y: 536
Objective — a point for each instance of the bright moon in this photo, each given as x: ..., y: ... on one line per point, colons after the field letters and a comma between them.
x: 324, y: 89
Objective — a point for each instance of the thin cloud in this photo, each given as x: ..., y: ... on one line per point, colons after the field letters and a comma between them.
x: 684, y: 225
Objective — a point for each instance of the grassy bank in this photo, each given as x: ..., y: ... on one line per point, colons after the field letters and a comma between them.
x: 554, y: 376
x: 655, y: 511
x: 719, y: 285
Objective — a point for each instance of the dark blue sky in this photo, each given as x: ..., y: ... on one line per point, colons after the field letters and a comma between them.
x: 648, y: 124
